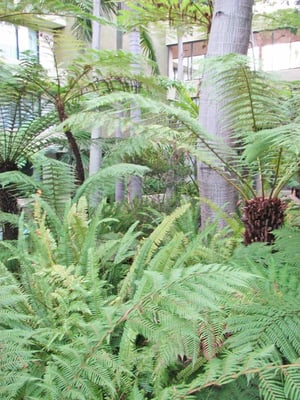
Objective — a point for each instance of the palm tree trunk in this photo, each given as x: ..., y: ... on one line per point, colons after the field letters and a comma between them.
x: 230, y: 33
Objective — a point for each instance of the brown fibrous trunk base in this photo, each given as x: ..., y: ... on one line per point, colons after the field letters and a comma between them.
x: 8, y: 204
x: 261, y: 216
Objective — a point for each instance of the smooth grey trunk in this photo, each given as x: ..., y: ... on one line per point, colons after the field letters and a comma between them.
x: 135, y: 182
x: 230, y: 33
x: 95, y: 148
x: 170, y: 175
x: 120, y: 186
x: 119, y: 191
x: 180, y: 72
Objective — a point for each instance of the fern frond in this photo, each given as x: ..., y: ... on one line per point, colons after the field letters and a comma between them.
x: 16, y: 179
x: 292, y: 382
x: 258, y: 104
x: 148, y: 248
x: 108, y: 174
x: 271, y: 385
x: 57, y: 182
x: 279, y: 326
x: 12, y: 219
x: 125, y: 249
x: 147, y: 46
x: 162, y: 231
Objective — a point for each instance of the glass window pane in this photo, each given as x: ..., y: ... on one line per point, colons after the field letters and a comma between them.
x: 27, y: 40
x: 8, y: 40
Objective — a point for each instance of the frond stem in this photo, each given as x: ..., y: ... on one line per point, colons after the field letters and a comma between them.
x: 42, y: 87
x: 246, y: 372
x: 229, y: 167
x: 261, y: 177
x: 8, y: 148
x: 85, y: 71
x: 250, y: 99
x: 277, y: 171
x: 230, y: 182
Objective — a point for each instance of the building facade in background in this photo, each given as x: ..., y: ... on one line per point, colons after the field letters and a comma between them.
x: 276, y: 51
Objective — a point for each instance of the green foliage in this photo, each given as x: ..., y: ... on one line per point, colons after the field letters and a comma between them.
x: 293, y: 214
x: 92, y: 313
x: 176, y: 13
x: 124, y: 214
x: 67, y: 333
x: 96, y: 307
x: 263, y: 330
x: 257, y: 113
x: 262, y: 123
x: 279, y: 19
x: 31, y: 13
x: 109, y: 174
x: 24, y: 119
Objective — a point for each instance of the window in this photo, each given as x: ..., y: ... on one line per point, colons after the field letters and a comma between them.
x: 277, y: 50
x: 194, y: 53
x: 15, y: 40
x: 281, y: 56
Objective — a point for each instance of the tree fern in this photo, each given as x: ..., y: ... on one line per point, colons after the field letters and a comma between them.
x: 256, y: 117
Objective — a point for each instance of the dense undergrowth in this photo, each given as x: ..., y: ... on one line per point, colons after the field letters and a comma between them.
x: 92, y: 308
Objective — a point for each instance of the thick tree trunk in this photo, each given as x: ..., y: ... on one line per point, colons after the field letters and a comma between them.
x: 230, y: 33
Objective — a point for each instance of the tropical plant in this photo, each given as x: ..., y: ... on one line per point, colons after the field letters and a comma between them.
x: 24, y: 123
x: 264, y: 132
x: 57, y: 91
x: 230, y: 33
x: 32, y: 102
